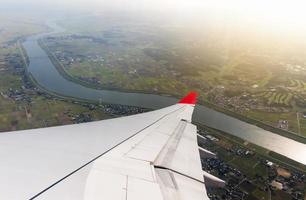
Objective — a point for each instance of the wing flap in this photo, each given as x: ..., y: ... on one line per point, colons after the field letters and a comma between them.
x: 175, y: 186
x: 181, y: 153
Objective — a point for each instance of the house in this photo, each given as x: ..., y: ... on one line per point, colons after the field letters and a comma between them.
x: 269, y: 163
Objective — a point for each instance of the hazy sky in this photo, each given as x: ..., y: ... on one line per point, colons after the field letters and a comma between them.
x: 286, y: 15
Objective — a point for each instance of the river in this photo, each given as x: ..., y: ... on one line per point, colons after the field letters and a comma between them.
x: 47, y: 76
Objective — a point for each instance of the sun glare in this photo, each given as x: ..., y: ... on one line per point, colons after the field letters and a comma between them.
x: 284, y: 14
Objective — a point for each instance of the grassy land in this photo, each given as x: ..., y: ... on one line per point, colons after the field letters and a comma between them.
x: 272, y: 119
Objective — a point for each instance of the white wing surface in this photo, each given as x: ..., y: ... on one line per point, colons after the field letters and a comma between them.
x: 152, y: 155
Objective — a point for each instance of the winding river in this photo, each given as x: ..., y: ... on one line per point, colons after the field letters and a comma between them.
x: 46, y: 75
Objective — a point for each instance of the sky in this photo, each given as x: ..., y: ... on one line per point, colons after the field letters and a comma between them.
x: 277, y: 15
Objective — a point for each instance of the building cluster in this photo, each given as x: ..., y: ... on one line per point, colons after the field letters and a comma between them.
x: 237, y: 103
x: 122, y: 110
x: 15, y: 63
x: 67, y: 57
x: 110, y: 109
x: 285, y: 180
x: 17, y: 95
x: 242, y: 102
x: 231, y: 175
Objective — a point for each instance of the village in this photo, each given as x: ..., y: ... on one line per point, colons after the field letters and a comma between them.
x: 248, y: 175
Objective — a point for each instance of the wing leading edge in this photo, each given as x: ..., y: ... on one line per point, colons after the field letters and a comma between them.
x: 154, y: 156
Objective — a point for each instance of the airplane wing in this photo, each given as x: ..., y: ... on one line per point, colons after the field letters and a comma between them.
x: 153, y: 155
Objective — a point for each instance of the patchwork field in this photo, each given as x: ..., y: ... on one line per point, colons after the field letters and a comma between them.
x: 277, y: 98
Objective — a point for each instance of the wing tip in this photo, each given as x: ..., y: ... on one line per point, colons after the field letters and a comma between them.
x: 190, y: 98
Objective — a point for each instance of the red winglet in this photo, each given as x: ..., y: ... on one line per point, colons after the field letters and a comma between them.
x: 191, y: 98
